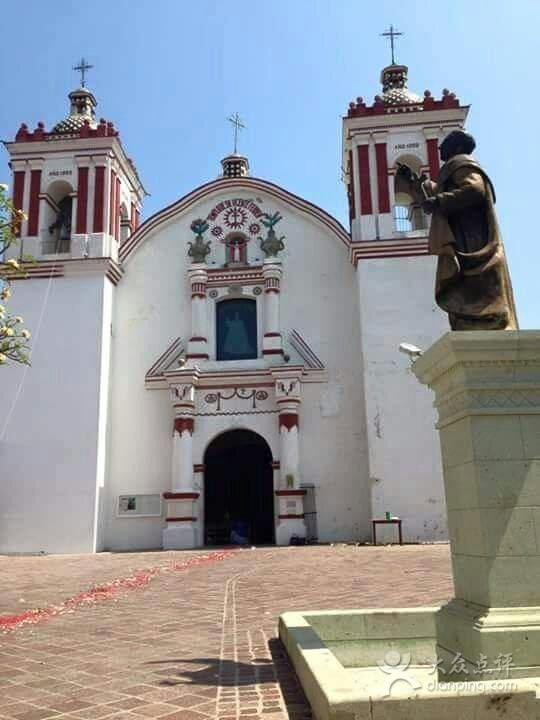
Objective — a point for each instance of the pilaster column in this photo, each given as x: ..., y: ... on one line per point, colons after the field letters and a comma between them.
x: 81, y: 219
x: 290, y: 496
x: 364, y: 226
x: 181, y: 500
x: 272, y: 340
x: 34, y: 200
x: 432, y: 147
x: 364, y: 170
x: 100, y: 166
x: 19, y: 177
x: 198, y: 342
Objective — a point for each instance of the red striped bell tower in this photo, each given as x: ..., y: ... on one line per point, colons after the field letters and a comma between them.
x: 80, y: 192
x: 395, y: 278
x: 399, y: 126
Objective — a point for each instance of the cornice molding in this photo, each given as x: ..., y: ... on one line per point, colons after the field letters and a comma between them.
x: 68, y: 267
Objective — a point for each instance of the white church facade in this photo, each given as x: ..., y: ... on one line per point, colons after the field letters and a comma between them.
x: 229, y: 365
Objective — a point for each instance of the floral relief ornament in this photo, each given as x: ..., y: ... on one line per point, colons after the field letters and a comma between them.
x: 271, y: 245
x: 199, y: 249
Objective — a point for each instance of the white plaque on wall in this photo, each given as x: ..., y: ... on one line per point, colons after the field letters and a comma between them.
x: 147, y: 505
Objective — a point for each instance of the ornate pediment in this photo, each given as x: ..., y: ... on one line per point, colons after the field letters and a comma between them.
x: 172, y: 359
x: 172, y: 364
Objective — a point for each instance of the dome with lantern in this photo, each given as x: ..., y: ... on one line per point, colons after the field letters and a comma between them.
x: 395, y: 91
x: 82, y: 110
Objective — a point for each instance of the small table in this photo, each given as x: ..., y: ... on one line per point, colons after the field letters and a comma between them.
x: 393, y: 521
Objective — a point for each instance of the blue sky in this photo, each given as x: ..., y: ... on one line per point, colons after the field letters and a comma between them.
x: 169, y: 72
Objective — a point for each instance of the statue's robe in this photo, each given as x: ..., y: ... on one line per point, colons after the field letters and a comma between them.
x: 472, y: 283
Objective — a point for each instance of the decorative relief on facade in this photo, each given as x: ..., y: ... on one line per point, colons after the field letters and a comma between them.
x: 257, y: 290
x: 241, y: 216
x: 235, y: 218
x: 199, y: 249
x: 287, y: 388
x: 236, y: 401
x: 182, y: 394
x: 488, y: 399
x: 271, y: 245
x: 236, y: 210
x: 241, y: 393
x: 239, y: 275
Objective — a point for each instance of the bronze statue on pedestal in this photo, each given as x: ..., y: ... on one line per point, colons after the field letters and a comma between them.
x: 472, y: 283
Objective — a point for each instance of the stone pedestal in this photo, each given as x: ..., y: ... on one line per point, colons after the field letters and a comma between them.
x: 486, y: 641
x: 487, y: 393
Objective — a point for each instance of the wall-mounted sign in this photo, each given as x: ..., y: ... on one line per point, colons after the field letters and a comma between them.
x: 60, y: 173
x: 139, y: 505
x: 237, y: 203
x: 406, y: 146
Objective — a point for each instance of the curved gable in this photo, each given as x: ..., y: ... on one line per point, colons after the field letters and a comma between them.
x: 250, y: 183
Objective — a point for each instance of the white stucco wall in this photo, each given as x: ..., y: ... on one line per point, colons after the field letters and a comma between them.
x: 50, y: 420
x: 85, y: 429
x: 396, y: 305
x: 319, y: 299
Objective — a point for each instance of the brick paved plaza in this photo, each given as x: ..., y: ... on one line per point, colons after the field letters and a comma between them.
x: 184, y: 635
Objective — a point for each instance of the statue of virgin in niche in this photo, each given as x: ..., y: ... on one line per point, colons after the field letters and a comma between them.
x: 236, y: 341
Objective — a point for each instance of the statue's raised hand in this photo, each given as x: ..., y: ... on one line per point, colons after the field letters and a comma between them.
x: 405, y: 172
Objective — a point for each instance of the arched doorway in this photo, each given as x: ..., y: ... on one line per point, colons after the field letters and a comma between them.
x: 238, y: 489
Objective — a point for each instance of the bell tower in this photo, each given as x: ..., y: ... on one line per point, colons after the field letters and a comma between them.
x: 82, y: 196
x: 79, y: 190
x: 400, y: 126
x: 395, y: 279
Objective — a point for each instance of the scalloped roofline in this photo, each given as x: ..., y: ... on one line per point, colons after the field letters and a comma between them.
x: 195, y: 196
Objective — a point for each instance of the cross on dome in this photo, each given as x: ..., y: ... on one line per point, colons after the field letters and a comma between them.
x: 238, y: 125
x: 391, y: 33
x: 82, y: 67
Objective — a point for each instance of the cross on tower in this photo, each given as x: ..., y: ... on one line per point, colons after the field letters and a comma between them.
x: 238, y: 125
x: 82, y: 68
x: 391, y: 34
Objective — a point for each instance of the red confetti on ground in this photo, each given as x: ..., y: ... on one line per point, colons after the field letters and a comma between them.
x: 106, y: 592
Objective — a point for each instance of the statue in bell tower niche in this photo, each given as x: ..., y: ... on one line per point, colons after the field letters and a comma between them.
x: 62, y: 226
x: 271, y: 245
x: 472, y: 283
x: 199, y: 249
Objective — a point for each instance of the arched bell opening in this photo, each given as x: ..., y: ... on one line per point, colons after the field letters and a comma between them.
x: 125, y: 223
x: 407, y: 211
x: 238, y: 490
x: 57, y: 224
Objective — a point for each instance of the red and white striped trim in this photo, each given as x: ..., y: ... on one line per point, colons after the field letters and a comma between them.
x: 389, y: 249
x: 180, y: 519
x: 219, y: 277
x: 169, y: 495
x: 45, y: 269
